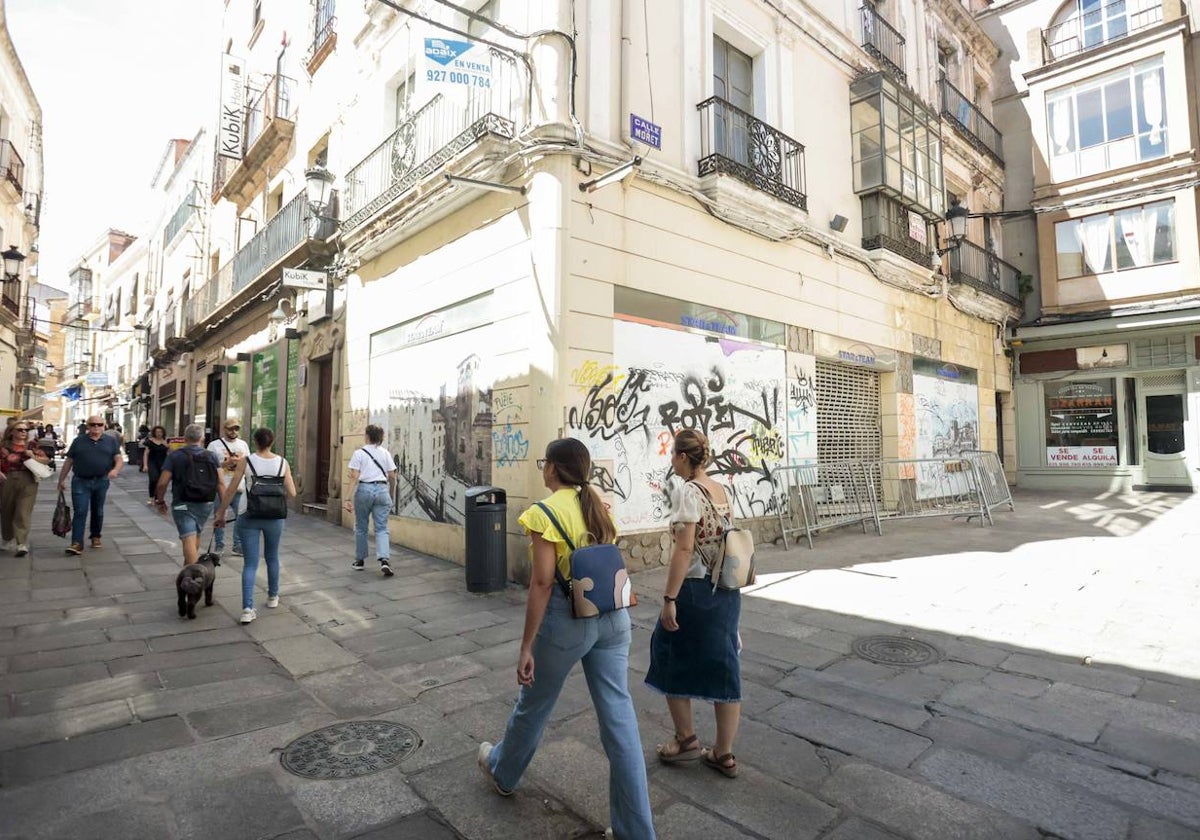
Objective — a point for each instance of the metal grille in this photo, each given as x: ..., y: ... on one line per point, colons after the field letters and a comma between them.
x: 1165, y: 380
x: 847, y: 413
x: 1161, y: 352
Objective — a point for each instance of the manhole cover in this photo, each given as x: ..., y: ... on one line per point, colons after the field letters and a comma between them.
x: 346, y: 750
x: 895, y: 650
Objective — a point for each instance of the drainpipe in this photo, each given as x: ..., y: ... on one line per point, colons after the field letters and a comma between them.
x: 626, y: 72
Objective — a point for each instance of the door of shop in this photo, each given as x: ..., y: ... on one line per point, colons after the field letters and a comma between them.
x: 1163, y: 434
x: 324, y: 428
x: 848, y: 420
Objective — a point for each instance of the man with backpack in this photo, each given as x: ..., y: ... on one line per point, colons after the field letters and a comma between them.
x: 194, y: 475
x: 230, y: 450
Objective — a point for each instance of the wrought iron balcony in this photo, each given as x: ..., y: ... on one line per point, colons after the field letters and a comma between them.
x: 883, y: 41
x: 270, y: 124
x: 889, y: 225
x: 181, y: 216
x: 324, y: 35
x: 436, y: 133
x: 1098, y: 27
x: 10, y: 301
x: 734, y: 142
x: 33, y: 208
x: 11, y: 166
x: 970, y: 121
x: 982, y: 269
x: 282, y: 241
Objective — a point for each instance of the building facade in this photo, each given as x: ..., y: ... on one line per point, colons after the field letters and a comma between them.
x: 552, y: 238
x: 1100, y: 100
x: 22, y: 351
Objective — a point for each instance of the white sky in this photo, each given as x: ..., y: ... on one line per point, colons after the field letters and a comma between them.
x: 116, y: 80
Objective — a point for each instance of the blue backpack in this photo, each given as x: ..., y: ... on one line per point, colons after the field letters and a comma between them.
x: 599, y: 581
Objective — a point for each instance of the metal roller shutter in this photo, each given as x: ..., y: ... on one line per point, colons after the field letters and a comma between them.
x: 848, y: 425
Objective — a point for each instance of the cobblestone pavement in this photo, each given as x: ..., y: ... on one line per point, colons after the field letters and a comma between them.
x: 1060, y: 700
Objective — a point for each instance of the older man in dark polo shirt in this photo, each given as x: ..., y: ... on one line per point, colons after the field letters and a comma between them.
x: 95, y: 458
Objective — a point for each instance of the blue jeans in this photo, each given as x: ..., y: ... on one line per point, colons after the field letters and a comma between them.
x: 87, y: 493
x: 248, y: 530
x: 602, y: 644
x: 219, y: 533
x: 372, y: 501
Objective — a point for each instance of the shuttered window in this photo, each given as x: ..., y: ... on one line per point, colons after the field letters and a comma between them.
x: 848, y: 425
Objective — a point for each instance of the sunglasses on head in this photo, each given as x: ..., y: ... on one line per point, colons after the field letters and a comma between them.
x: 233, y: 428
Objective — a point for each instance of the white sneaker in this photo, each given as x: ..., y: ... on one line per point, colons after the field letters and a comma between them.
x: 273, y: 601
x: 8, y: 545
x: 248, y: 615
x: 482, y: 758
x: 22, y: 550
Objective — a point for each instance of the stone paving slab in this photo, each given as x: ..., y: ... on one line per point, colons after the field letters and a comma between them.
x: 68, y: 723
x: 249, y: 715
x: 918, y: 811
x: 40, y: 660
x: 847, y: 732
x: 356, y: 691
x: 173, y: 701
x: 247, y: 805
x: 21, y: 766
x: 156, y: 661
x: 1050, y: 805
x: 46, y: 700
x: 309, y: 654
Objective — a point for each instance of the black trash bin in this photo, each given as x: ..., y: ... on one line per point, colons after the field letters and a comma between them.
x: 487, y: 558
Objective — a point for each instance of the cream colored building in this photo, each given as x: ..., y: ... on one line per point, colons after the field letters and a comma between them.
x: 20, y: 217
x: 1100, y: 100
x: 758, y: 263
x: 120, y: 340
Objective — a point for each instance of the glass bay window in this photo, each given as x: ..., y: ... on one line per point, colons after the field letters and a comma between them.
x: 896, y: 145
x: 1133, y: 237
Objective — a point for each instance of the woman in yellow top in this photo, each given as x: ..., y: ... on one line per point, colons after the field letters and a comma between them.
x: 554, y: 641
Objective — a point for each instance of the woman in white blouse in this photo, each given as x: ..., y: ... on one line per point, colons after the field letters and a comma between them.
x: 372, y: 487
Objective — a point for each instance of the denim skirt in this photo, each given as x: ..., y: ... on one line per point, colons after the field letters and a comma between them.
x: 700, y: 659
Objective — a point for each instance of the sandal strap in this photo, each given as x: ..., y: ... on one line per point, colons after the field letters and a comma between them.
x: 686, y: 743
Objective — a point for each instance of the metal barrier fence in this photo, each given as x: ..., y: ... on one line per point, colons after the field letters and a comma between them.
x: 814, y: 497
x: 818, y: 496
x: 915, y: 488
x: 989, y: 476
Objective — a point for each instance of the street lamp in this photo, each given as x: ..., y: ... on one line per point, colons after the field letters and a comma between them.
x: 318, y: 189
x: 12, y: 264
x: 956, y: 220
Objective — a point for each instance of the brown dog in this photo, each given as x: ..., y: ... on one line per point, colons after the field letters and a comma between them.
x: 194, y: 579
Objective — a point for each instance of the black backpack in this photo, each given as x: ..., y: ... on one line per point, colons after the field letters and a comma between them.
x: 266, y: 497
x: 200, y: 480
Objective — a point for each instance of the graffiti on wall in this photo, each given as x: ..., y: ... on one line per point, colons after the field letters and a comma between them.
x: 664, y: 380
x: 801, y: 409
x: 946, y: 404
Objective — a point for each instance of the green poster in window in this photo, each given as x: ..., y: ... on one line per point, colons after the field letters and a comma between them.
x: 264, y: 390
x: 292, y: 400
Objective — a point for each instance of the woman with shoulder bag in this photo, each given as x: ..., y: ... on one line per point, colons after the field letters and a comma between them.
x: 554, y: 640
x: 269, y: 489
x: 372, y: 482
x: 694, y: 648
x: 155, y: 450
x: 19, y: 490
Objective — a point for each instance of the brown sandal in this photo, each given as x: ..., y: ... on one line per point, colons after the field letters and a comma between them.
x: 688, y: 749
x: 718, y: 763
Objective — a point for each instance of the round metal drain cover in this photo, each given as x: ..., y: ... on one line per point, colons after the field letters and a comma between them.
x: 346, y: 750
x: 895, y: 650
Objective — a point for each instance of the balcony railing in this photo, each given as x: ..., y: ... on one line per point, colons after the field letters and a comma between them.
x: 273, y: 102
x: 432, y: 136
x: 180, y: 218
x: 982, y: 269
x: 881, y: 40
x: 324, y: 34
x: 977, y: 128
x: 734, y: 142
x: 11, y: 165
x: 283, y: 234
x: 1098, y: 27
x: 10, y: 301
x: 890, y: 225
x: 33, y: 208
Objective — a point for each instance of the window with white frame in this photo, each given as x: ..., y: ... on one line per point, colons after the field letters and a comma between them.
x: 1107, y: 122
x: 1133, y: 237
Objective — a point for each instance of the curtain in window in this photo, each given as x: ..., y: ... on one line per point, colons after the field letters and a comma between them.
x: 1152, y: 105
x: 1139, y: 228
x: 1060, y: 126
x: 1096, y: 238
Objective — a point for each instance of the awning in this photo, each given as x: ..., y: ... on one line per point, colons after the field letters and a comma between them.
x: 33, y: 413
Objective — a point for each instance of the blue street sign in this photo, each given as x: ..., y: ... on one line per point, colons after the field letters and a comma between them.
x: 645, y: 131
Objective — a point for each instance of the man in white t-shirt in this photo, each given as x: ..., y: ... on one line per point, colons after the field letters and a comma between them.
x: 230, y: 450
